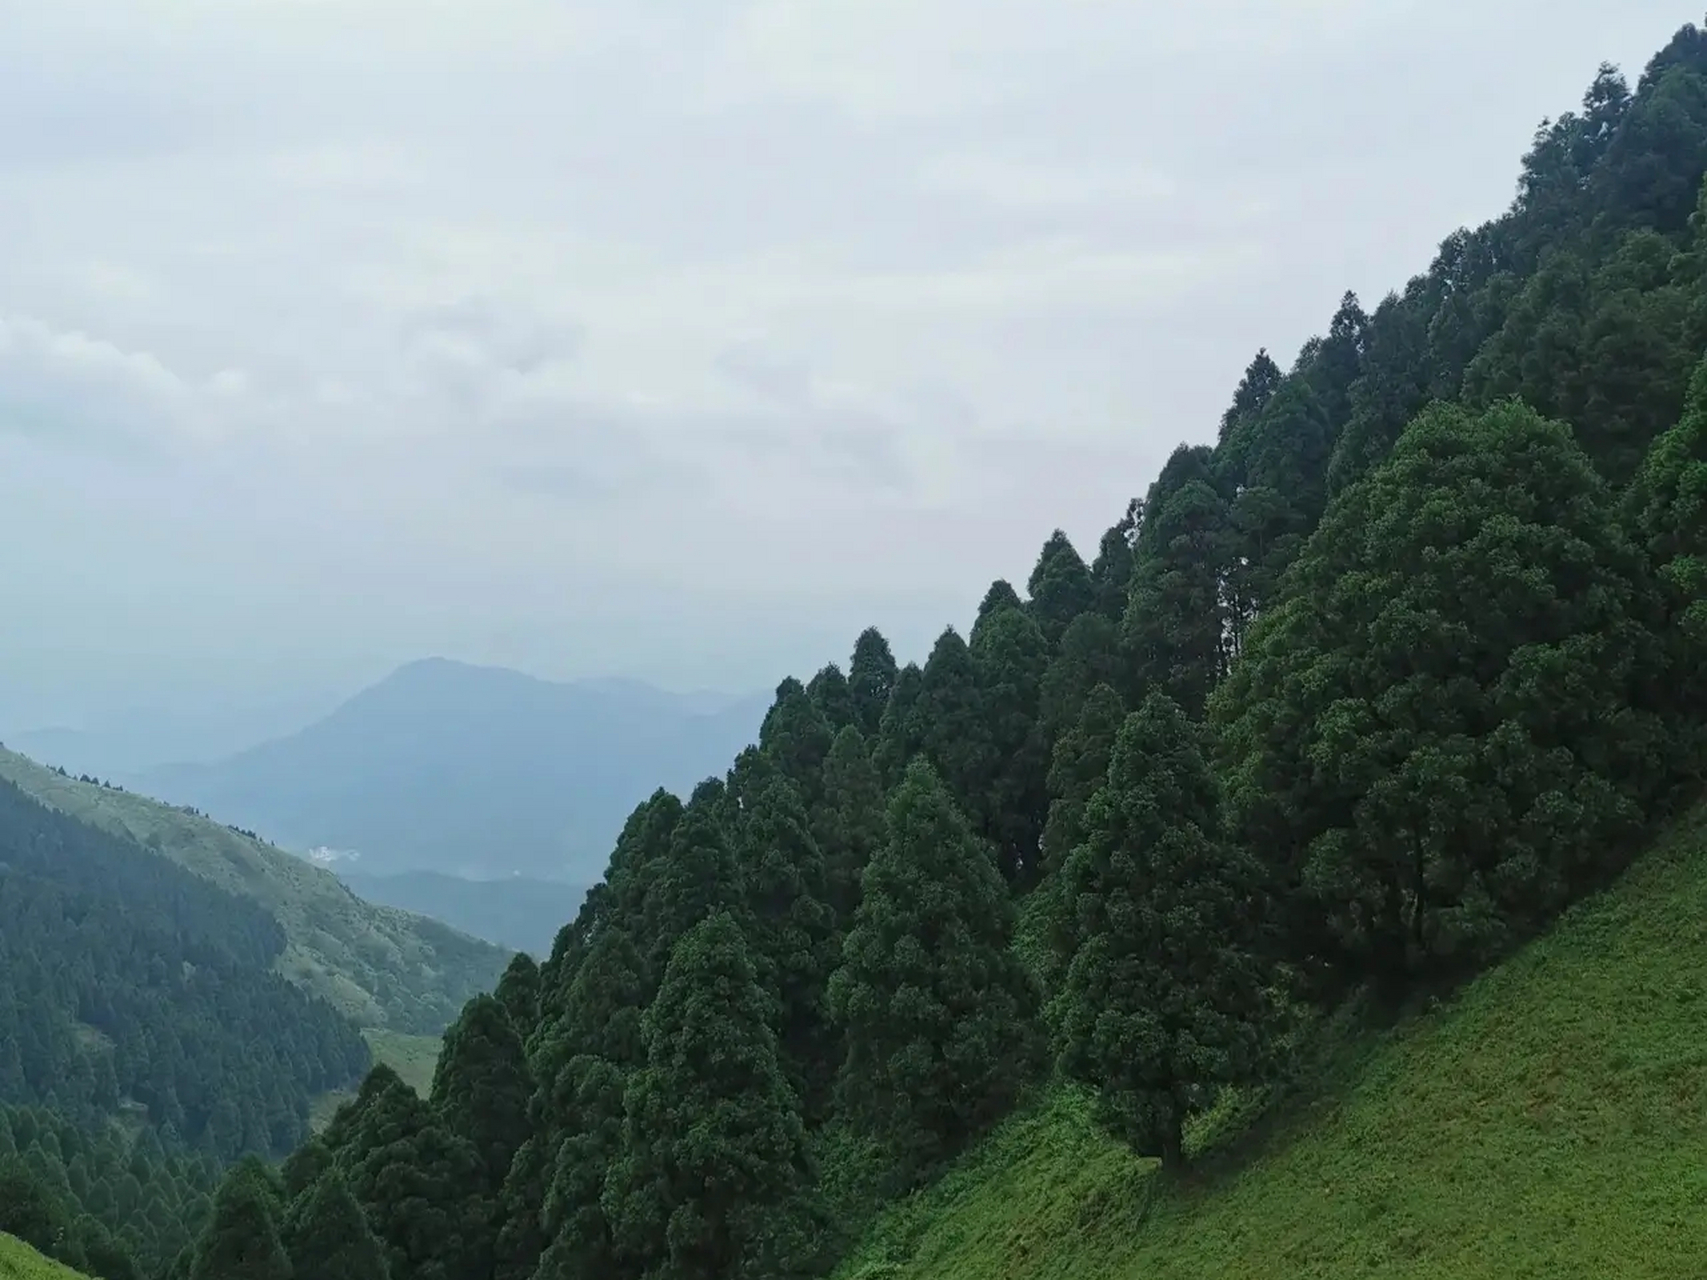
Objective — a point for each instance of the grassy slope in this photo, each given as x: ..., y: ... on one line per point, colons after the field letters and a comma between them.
x: 1550, y: 1121
x: 20, y: 1262
x: 381, y: 966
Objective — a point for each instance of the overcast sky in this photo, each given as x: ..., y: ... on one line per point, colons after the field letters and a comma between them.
x: 677, y: 339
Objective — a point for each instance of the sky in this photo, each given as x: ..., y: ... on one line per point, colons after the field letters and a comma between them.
x: 671, y: 340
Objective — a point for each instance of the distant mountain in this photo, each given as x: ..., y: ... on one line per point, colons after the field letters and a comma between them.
x: 519, y: 912
x: 380, y: 966
x: 475, y: 771
x: 128, y: 743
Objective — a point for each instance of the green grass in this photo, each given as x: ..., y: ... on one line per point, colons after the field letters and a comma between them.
x: 1549, y: 1121
x: 20, y: 1262
x: 382, y: 967
x: 411, y: 1057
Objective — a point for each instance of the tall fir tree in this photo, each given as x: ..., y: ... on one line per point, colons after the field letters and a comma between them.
x: 795, y: 939
x: 796, y: 736
x: 1060, y: 587
x: 848, y: 822
x: 1164, y: 1000
x: 939, y: 1013
x: 327, y: 1236
x: 871, y: 678
x: 241, y: 1241
x: 712, y: 1198
x: 481, y: 1086
x: 1009, y: 658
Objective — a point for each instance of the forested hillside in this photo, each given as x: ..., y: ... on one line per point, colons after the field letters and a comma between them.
x: 380, y: 966
x: 1354, y: 702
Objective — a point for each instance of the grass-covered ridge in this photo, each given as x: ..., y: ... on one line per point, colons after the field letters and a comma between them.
x: 381, y: 966
x: 1549, y: 1121
x: 20, y: 1262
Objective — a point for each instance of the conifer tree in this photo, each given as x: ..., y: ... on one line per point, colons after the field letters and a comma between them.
x: 848, y: 822
x: 303, y: 1167
x: 700, y: 874
x: 1111, y: 572
x: 1440, y: 736
x: 1173, y: 631
x: 1060, y: 587
x: 1009, y: 658
x: 950, y: 726
x: 796, y: 737
x: 327, y: 1237
x: 1163, y: 1001
x: 241, y: 1241
x: 518, y: 992
x: 999, y: 597
x: 1088, y: 655
x: 481, y: 1086
x: 938, y: 1011
x: 795, y: 939
x: 712, y: 1197
x: 574, y: 1223
x: 871, y: 678
x: 900, y: 735
x: 1077, y: 770
x: 833, y: 696
x: 418, y: 1184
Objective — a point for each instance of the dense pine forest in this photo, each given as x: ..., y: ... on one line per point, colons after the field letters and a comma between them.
x: 1355, y: 700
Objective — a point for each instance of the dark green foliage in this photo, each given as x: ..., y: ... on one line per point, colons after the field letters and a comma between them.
x: 1439, y: 737
x: 1667, y: 510
x: 698, y: 875
x: 573, y: 1222
x: 1009, y: 658
x: 110, y: 1195
x: 1163, y: 1001
x: 999, y: 597
x: 1060, y: 587
x: 419, y: 1185
x: 1076, y: 771
x: 938, y: 1011
x: 1088, y: 655
x: 518, y: 992
x: 898, y: 739
x: 481, y: 1086
x: 796, y: 737
x: 241, y: 1241
x: 327, y: 1237
x: 601, y: 1014
x: 175, y: 974
x: 833, y: 696
x: 303, y: 1168
x: 1280, y: 456
x: 949, y: 726
x: 1173, y: 630
x: 871, y: 679
x: 713, y: 1161
x: 1260, y: 381
x: 1111, y: 572
x: 848, y: 821
x: 795, y: 939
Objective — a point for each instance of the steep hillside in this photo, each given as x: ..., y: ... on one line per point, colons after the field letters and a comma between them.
x: 20, y: 1262
x: 519, y: 911
x: 1547, y: 1122
x: 470, y: 770
x: 379, y: 965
